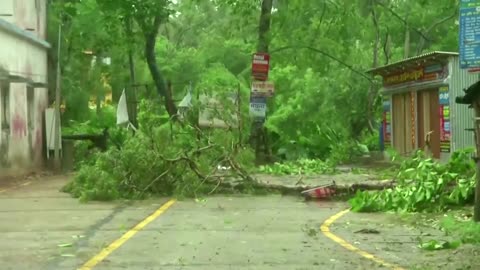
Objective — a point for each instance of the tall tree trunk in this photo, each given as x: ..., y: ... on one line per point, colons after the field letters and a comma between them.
x: 373, y: 91
x: 151, y: 40
x: 406, y: 52
x: 132, y: 89
x: 264, y: 26
x: 407, y: 42
x: 263, y: 46
x: 169, y: 99
x: 387, y: 48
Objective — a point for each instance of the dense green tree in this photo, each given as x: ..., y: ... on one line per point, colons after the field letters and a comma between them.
x: 319, y: 50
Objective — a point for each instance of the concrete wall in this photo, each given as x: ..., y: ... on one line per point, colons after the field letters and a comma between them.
x: 26, y: 14
x: 23, y: 79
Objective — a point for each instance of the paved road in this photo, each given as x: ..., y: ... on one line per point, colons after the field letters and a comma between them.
x: 38, y: 225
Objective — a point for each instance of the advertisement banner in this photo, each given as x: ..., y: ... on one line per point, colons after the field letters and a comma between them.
x: 415, y: 76
x: 469, y: 34
x: 387, y: 120
x: 260, y: 66
x: 444, y: 112
x: 413, y: 117
x: 262, y: 89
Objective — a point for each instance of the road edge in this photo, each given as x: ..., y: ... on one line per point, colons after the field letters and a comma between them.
x: 17, y: 186
x: 325, y: 229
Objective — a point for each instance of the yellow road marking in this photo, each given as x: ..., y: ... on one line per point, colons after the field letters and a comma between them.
x: 325, y: 228
x: 120, y: 241
x: 15, y: 187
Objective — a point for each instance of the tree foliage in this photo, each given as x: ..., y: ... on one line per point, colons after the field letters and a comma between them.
x: 319, y: 50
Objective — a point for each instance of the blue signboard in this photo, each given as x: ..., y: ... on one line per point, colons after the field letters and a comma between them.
x: 443, y: 95
x: 258, y: 108
x: 469, y: 34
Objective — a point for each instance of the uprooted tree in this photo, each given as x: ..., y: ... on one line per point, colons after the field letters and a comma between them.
x: 176, y: 157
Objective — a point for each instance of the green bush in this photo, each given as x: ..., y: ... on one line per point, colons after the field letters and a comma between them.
x: 372, y: 141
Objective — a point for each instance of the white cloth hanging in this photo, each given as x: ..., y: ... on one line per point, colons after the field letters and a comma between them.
x: 122, y: 111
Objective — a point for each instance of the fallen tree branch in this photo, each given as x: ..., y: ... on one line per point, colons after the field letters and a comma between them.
x: 297, y: 189
x: 327, y: 55
x: 402, y: 20
x: 156, y: 180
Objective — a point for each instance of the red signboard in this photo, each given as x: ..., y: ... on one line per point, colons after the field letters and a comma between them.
x: 260, y: 66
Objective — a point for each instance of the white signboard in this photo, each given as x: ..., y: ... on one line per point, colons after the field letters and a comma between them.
x: 50, y: 130
x: 258, y: 107
x: 262, y: 89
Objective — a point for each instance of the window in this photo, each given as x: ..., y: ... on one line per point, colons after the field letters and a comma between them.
x: 4, y: 104
x: 30, y: 106
x: 6, y: 10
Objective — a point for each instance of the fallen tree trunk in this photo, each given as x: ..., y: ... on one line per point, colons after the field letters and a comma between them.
x: 229, y: 182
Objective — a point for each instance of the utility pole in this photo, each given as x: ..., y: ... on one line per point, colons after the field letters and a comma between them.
x: 258, y: 128
x: 131, y: 93
x: 57, y: 103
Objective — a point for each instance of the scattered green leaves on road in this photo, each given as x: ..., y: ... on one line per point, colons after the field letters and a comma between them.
x: 439, y: 245
x: 65, y: 245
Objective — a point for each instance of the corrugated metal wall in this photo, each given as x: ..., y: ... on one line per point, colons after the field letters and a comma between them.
x: 461, y: 116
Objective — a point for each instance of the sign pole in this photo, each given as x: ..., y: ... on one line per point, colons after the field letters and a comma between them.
x: 261, y: 89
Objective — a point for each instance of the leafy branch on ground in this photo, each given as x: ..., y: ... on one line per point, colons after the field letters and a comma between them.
x: 423, y: 184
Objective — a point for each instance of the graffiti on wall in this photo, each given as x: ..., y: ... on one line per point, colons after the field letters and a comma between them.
x: 19, y: 127
x: 21, y: 135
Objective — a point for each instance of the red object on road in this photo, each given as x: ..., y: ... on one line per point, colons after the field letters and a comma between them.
x: 260, y: 66
x: 321, y: 192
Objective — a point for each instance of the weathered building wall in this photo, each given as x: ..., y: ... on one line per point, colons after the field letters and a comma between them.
x: 23, y: 79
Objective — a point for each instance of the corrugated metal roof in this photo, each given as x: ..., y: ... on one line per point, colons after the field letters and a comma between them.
x: 405, y: 63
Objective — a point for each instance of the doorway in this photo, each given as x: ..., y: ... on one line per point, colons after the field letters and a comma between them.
x: 429, y: 120
x: 402, y: 123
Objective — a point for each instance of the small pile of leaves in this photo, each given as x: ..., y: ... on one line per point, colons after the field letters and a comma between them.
x: 299, y: 167
x: 423, y: 184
